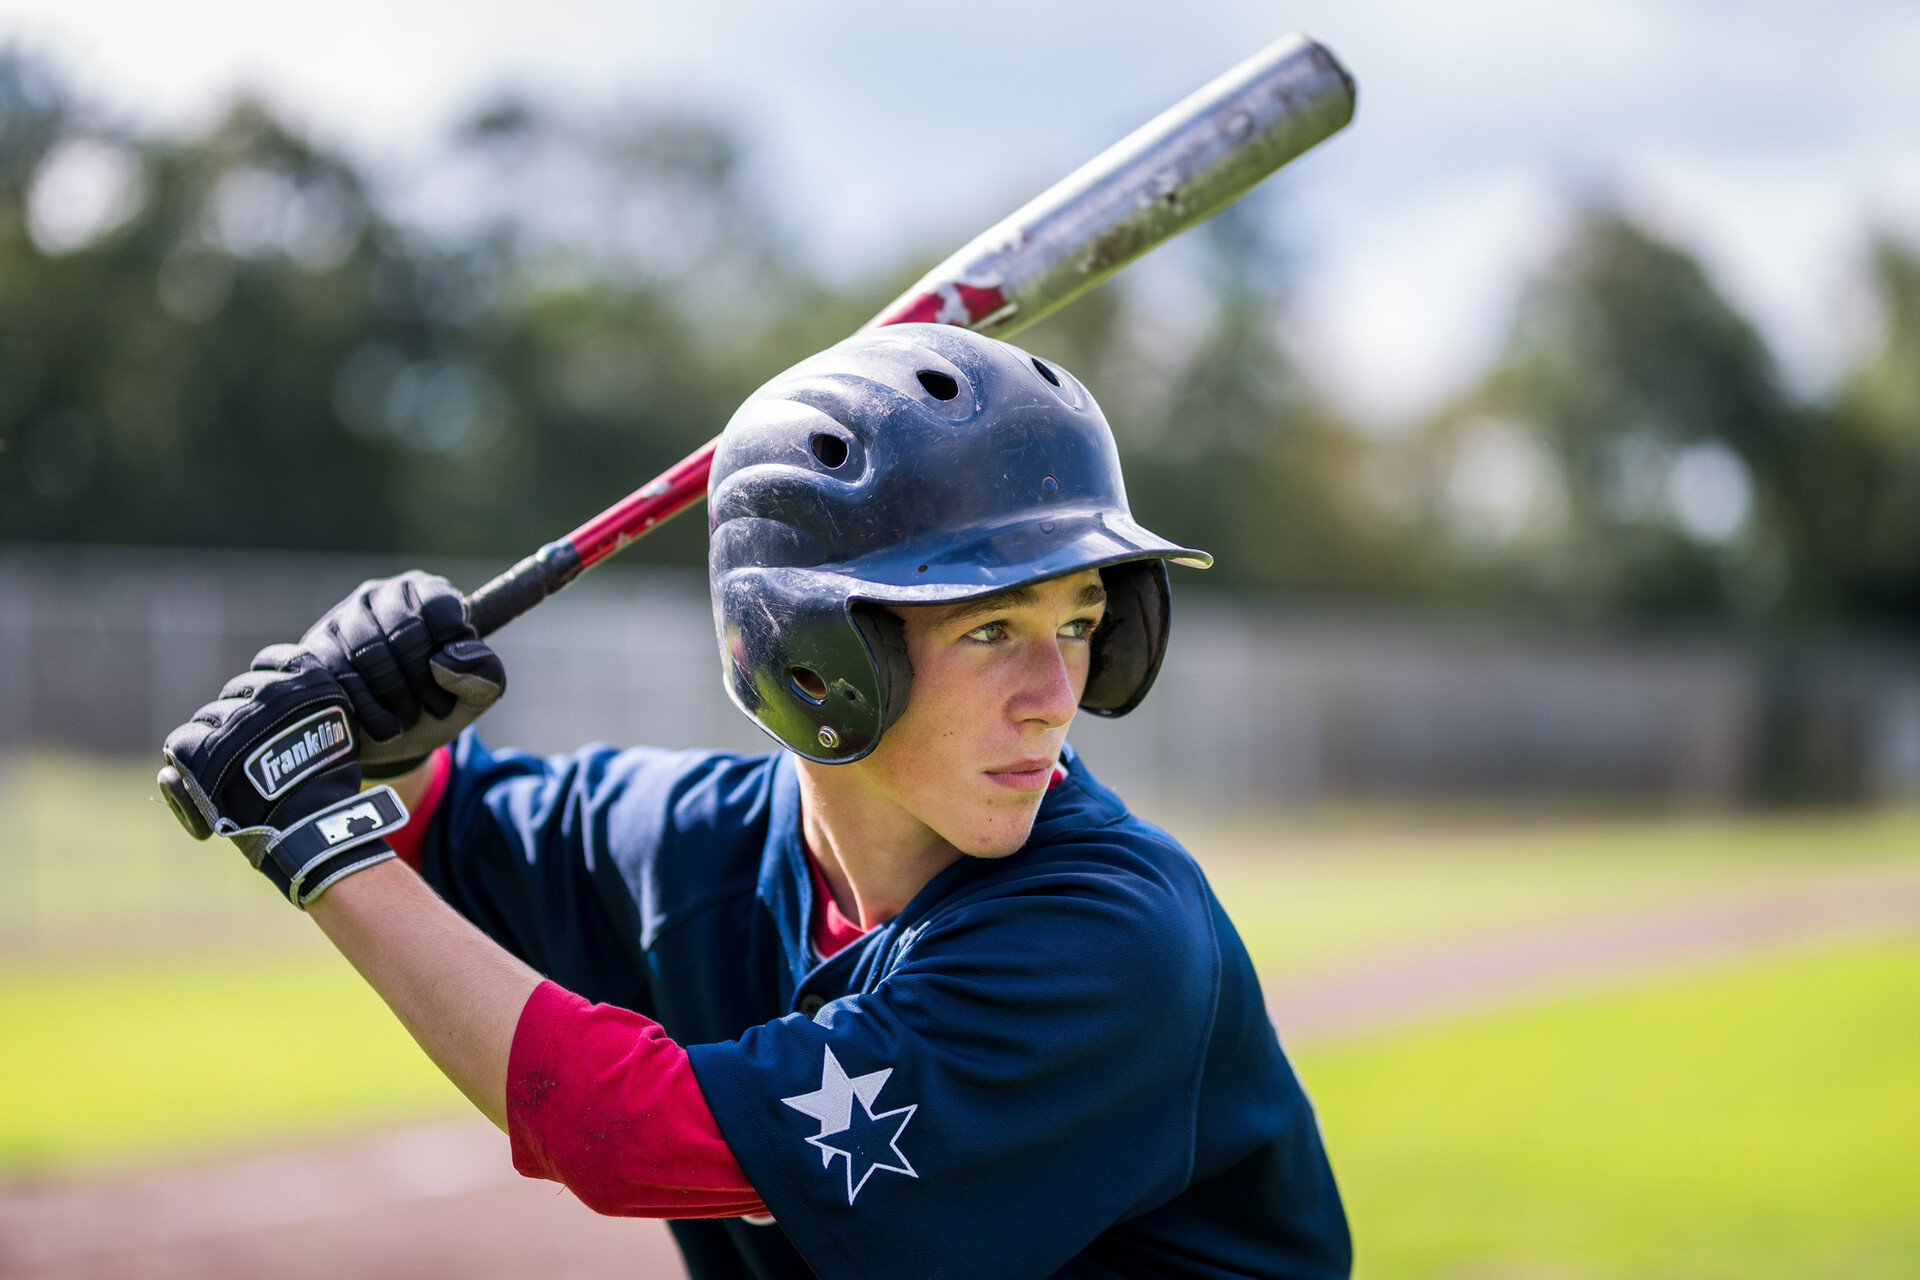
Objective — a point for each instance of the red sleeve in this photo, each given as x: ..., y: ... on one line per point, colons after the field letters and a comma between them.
x: 408, y: 840
x: 599, y: 1098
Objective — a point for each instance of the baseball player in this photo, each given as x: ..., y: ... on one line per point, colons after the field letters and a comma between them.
x: 912, y: 995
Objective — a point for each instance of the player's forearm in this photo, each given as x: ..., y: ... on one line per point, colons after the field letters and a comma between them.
x: 452, y: 987
x: 463, y: 997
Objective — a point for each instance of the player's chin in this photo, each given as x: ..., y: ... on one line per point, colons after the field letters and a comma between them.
x: 1000, y: 827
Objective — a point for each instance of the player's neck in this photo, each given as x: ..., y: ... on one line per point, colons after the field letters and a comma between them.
x: 874, y: 854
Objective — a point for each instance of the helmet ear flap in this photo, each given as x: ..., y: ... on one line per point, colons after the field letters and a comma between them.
x: 1132, y: 639
x: 886, y: 639
x: 798, y: 665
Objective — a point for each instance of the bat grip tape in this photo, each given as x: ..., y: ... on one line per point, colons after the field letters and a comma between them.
x: 525, y: 585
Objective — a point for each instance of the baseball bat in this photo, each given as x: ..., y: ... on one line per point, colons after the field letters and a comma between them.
x: 1187, y: 163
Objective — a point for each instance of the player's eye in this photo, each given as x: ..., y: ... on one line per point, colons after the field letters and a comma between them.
x: 1080, y: 628
x: 989, y: 632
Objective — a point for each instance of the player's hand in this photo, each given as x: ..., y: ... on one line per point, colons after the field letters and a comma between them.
x: 414, y: 671
x: 272, y: 764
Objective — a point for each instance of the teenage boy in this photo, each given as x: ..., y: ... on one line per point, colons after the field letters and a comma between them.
x: 914, y: 995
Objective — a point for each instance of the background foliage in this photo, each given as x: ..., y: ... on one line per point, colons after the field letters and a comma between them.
x: 227, y: 340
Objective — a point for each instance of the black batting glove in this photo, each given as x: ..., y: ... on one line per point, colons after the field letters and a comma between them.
x: 273, y: 766
x: 414, y: 670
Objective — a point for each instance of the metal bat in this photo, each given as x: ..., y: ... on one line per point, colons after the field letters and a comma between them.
x: 1190, y: 161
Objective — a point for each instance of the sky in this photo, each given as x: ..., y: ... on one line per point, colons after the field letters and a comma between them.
x: 1770, y: 137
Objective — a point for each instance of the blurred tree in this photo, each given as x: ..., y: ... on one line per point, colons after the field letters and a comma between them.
x: 170, y: 321
x: 1854, y: 484
x: 1628, y: 454
x: 224, y: 341
x: 637, y: 292
x: 229, y: 340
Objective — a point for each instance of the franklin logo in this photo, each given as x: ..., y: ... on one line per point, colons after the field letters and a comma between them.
x: 363, y: 819
x: 295, y: 754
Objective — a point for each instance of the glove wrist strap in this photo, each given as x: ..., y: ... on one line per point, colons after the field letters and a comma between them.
x: 346, y: 836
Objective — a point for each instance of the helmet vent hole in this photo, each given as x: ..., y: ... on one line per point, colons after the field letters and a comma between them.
x: 831, y: 450
x: 938, y: 384
x: 1045, y: 372
x: 808, y: 684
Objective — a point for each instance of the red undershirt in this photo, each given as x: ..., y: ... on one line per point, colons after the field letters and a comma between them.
x: 601, y: 1099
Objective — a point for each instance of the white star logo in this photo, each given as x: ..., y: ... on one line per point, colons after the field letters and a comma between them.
x: 866, y: 1141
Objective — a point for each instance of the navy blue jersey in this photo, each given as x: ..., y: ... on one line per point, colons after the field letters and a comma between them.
x: 1054, y: 1063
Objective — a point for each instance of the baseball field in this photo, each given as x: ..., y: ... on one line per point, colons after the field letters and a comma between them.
x: 1683, y: 1047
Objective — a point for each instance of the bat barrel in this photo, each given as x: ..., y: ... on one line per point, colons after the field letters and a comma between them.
x: 1177, y: 169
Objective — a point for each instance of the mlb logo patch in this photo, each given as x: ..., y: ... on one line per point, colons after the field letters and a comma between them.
x: 297, y: 753
x: 363, y: 819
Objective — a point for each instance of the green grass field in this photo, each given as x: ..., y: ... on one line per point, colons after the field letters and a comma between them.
x: 158, y: 1000
x: 1757, y: 1120
x: 111, y: 1063
x: 94, y: 865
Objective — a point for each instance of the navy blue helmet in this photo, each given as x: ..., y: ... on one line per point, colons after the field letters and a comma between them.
x: 914, y: 464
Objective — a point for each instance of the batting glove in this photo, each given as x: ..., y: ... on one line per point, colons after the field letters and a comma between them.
x: 414, y: 670
x: 272, y: 766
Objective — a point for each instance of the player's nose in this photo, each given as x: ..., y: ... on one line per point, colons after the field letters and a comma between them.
x: 1049, y: 689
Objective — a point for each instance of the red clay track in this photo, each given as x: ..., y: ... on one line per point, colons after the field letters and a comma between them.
x: 1560, y: 958
x: 416, y: 1204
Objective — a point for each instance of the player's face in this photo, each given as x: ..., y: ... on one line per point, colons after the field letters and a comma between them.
x: 996, y: 681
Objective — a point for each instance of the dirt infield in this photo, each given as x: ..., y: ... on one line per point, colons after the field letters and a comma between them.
x: 442, y: 1200
x: 416, y: 1204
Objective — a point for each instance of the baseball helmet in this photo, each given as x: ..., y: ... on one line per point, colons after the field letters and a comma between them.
x: 914, y: 464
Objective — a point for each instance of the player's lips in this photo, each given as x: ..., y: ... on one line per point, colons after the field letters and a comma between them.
x: 1023, y: 775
